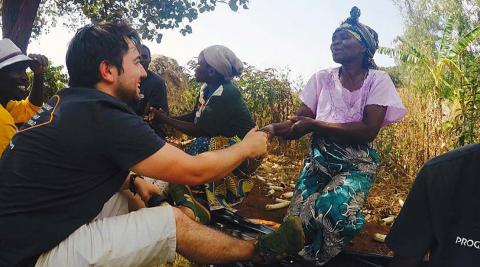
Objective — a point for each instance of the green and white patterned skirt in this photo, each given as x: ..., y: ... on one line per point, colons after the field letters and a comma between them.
x: 330, y: 192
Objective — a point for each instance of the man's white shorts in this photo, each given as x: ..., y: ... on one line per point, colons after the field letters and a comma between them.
x: 117, y: 238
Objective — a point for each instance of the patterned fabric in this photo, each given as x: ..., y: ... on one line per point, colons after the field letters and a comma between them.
x: 230, y: 190
x: 330, y: 193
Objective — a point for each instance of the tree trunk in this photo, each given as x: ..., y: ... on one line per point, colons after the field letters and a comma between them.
x: 17, y: 20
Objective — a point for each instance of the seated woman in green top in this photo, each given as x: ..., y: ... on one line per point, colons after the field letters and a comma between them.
x: 220, y: 118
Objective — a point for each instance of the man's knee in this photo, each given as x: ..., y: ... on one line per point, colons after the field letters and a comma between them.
x: 181, y: 219
x: 185, y: 229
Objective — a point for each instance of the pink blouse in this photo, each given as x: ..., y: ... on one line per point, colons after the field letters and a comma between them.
x: 331, y: 102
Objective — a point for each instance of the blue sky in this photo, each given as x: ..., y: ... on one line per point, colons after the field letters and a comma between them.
x: 271, y: 33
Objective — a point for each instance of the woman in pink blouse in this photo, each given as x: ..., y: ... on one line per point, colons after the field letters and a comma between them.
x: 344, y: 108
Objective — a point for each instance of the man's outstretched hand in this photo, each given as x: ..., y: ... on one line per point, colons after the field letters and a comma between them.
x: 255, y: 142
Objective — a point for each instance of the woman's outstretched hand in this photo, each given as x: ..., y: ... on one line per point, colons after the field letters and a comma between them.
x: 301, y: 124
x: 293, y: 128
x: 281, y: 129
x: 269, y: 130
x: 156, y: 115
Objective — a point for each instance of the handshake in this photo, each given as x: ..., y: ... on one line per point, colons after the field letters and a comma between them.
x: 293, y: 128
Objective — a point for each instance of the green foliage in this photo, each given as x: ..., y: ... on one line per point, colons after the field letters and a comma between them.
x: 439, y: 55
x: 269, y: 94
x: 467, y: 114
x: 442, y: 62
x: 271, y: 97
x: 182, y: 90
x: 149, y: 17
x: 55, y: 80
x: 405, y: 146
x: 401, y: 55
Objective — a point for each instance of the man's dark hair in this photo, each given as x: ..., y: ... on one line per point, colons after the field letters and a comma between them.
x: 94, y: 43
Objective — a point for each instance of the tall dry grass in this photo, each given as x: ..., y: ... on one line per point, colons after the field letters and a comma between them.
x: 423, y: 134
x: 404, y: 147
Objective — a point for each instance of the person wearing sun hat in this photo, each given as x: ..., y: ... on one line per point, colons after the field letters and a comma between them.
x: 14, y: 109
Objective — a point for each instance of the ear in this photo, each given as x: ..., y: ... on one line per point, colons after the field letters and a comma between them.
x: 107, y: 71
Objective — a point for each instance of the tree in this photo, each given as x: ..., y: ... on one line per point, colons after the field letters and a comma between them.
x: 443, y: 61
x: 438, y: 54
x: 21, y: 18
x: 18, y: 17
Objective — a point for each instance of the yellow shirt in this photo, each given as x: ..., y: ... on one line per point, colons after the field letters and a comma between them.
x: 15, y: 112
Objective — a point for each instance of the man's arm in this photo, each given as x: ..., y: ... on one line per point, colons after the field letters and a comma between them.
x: 173, y: 165
x: 39, y: 67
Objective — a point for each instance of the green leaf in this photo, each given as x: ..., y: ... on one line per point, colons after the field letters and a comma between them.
x: 415, y: 51
x: 233, y: 5
x: 400, y: 55
x: 446, y: 40
x: 465, y: 41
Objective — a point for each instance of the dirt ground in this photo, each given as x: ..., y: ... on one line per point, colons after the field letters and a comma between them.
x: 254, y: 207
x: 282, y: 171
